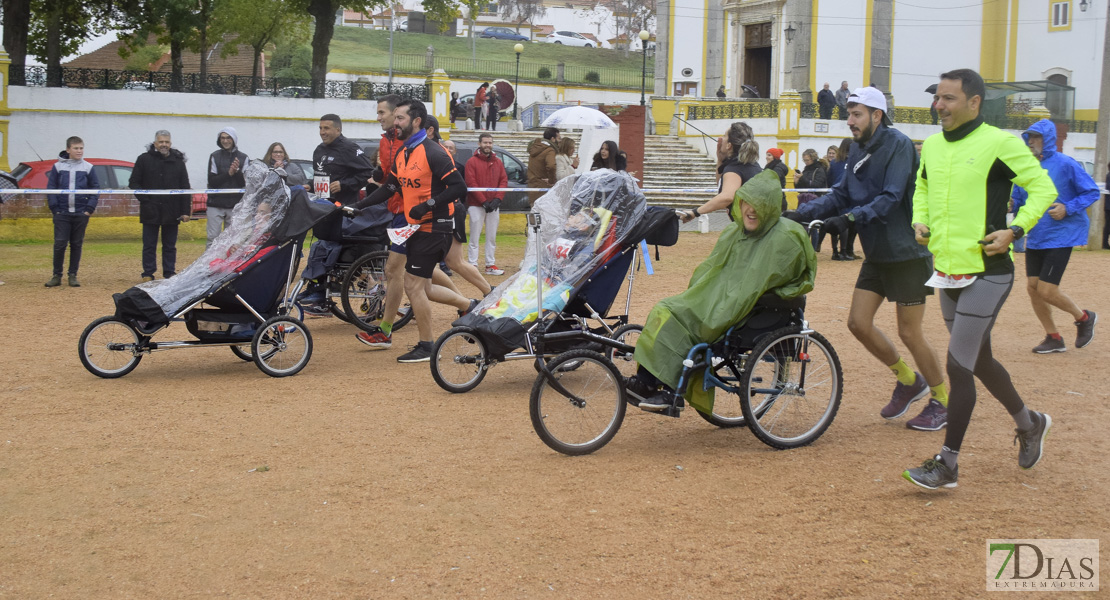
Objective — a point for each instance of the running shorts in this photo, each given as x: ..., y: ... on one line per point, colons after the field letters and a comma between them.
x: 1047, y: 264
x: 426, y: 249
x: 901, y: 282
x: 399, y: 221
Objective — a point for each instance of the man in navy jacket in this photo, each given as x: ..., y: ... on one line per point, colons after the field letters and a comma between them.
x: 71, y: 211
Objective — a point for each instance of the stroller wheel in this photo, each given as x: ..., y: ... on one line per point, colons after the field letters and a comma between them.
x: 625, y: 362
x: 281, y: 347
x: 110, y: 348
x: 459, y: 360
x: 587, y: 419
x: 243, y: 353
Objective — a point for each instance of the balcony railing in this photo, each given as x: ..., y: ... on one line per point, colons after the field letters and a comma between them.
x: 741, y: 109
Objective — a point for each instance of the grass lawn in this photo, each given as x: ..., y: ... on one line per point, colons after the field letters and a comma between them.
x: 354, y: 49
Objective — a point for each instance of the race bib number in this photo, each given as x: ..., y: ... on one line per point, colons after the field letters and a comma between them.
x: 402, y: 234
x: 943, y: 281
x: 562, y: 248
x: 321, y: 184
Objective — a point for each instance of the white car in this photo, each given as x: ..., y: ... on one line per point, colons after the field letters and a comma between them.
x: 569, y: 38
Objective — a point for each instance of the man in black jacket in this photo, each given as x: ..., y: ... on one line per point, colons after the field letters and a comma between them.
x: 876, y: 194
x: 225, y: 171
x: 826, y: 102
x: 161, y: 167
x: 342, y: 168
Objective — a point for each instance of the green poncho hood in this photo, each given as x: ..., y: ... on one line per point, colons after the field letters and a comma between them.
x: 742, y: 266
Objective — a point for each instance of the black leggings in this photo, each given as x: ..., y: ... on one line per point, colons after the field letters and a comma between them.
x: 969, y: 313
x: 1106, y: 227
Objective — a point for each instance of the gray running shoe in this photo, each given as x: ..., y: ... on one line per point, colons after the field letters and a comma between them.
x: 933, y: 418
x: 1085, y: 330
x: 1032, y: 441
x: 904, y: 396
x: 1050, y: 345
x: 932, y: 474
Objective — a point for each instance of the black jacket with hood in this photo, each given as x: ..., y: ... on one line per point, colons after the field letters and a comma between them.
x: 218, y: 165
x: 156, y: 172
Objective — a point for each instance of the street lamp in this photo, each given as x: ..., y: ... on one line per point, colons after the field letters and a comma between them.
x: 516, y: 92
x: 644, y: 35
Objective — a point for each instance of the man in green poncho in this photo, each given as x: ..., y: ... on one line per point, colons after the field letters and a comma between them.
x: 758, y: 253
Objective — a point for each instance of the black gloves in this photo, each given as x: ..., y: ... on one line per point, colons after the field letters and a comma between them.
x: 793, y: 215
x: 838, y: 224
x: 492, y: 205
x: 417, y: 212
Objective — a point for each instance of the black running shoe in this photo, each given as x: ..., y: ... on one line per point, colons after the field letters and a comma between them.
x: 1050, y: 345
x: 1085, y: 330
x: 1032, y: 441
x: 932, y: 474
x: 421, y: 352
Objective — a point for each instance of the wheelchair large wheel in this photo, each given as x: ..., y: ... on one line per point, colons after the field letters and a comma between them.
x: 281, y: 347
x: 624, y: 361
x: 109, y: 348
x: 362, y: 292
x: 727, y: 410
x: 791, y: 387
x: 586, y: 422
x: 459, y: 360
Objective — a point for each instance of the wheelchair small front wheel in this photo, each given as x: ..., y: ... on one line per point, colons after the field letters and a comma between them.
x: 110, y: 348
x: 281, y: 347
x: 625, y: 361
x: 459, y: 360
x: 585, y: 421
x: 791, y: 387
x: 727, y: 410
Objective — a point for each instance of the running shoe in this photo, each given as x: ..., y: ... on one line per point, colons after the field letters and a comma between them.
x: 637, y: 390
x: 316, y: 310
x: 933, y: 418
x: 421, y: 352
x: 375, y: 339
x: 657, y: 402
x: 1085, y: 330
x: 1050, y: 345
x: 904, y: 396
x: 932, y: 474
x: 473, y: 303
x: 1032, y: 441
x: 494, y: 270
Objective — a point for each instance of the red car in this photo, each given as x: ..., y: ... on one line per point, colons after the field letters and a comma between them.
x: 112, y: 174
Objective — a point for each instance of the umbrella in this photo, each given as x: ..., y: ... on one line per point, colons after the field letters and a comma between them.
x: 578, y: 116
x: 750, y: 91
x: 932, y: 89
x: 505, y: 93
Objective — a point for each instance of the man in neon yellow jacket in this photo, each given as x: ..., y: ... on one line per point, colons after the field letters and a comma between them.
x: 959, y: 210
x: 759, y: 252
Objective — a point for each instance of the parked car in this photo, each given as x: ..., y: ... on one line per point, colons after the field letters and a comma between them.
x: 569, y: 38
x: 112, y: 174
x: 503, y: 33
x: 295, y: 91
x: 145, y: 86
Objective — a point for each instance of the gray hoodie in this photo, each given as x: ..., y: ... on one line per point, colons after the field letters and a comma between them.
x: 218, y: 164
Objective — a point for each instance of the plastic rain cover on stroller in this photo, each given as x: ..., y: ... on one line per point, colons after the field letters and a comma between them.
x: 585, y: 220
x: 258, y: 222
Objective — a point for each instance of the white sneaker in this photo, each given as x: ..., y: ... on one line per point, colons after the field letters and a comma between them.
x: 493, y: 270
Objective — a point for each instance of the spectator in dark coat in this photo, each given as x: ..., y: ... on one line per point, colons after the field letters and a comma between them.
x: 826, y: 102
x: 225, y: 171
x: 161, y: 167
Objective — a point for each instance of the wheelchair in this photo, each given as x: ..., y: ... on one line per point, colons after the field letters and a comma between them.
x: 773, y: 373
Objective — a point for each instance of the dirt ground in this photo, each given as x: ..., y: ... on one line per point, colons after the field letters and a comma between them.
x: 381, y: 485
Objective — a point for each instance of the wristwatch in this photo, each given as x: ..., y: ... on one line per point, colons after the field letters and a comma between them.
x: 1018, y: 232
x: 431, y: 202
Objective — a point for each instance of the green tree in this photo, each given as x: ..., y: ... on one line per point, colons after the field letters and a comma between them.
x: 173, y: 22
x: 17, y: 22
x: 523, y: 11
x: 58, y: 27
x: 292, y: 61
x: 259, y: 23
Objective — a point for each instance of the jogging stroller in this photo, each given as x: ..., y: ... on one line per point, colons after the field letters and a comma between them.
x: 583, y: 240
x: 237, y: 294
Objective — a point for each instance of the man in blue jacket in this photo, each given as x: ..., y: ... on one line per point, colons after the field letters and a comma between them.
x: 71, y: 211
x: 876, y: 195
x: 1049, y: 243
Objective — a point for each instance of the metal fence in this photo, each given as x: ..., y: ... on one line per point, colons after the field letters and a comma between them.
x: 161, y: 81
x: 745, y: 109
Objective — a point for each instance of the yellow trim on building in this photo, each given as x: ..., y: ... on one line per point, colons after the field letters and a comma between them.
x: 1011, y: 60
x: 182, y: 115
x: 992, y: 46
x: 868, y: 32
x: 813, y: 47
x: 705, y: 54
x: 1085, y: 114
x: 1052, y: 9
x: 670, y: 48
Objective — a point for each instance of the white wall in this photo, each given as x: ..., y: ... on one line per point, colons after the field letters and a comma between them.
x: 1078, y: 50
x: 688, y: 47
x: 119, y: 124
x: 929, y: 39
x: 840, y: 44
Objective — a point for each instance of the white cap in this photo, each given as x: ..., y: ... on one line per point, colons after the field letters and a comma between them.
x: 873, y: 98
